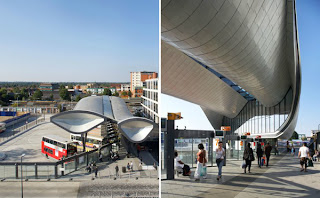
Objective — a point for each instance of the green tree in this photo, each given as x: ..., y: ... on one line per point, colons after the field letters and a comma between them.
x: 37, y: 95
x: 51, y: 97
x: 64, y: 94
x: 116, y: 93
x: 129, y: 93
x: 24, y: 94
x: 16, y: 90
x: 107, y: 92
x: 294, y: 136
x: 124, y: 93
x: 78, y: 98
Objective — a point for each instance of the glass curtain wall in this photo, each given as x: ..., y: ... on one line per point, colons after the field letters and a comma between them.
x: 258, y: 119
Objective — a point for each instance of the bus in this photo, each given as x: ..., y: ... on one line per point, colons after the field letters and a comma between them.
x: 91, y: 143
x: 2, y: 127
x: 57, y: 147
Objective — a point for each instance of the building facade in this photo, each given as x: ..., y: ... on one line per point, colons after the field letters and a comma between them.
x: 95, y: 91
x: 150, y: 100
x: 48, y: 86
x: 137, y: 81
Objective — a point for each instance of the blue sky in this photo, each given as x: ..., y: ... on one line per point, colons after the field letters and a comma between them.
x: 78, y: 40
x: 309, y: 113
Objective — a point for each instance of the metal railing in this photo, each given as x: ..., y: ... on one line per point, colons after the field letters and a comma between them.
x: 29, y: 125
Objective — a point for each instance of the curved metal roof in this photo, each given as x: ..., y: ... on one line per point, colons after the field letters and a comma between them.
x: 252, y: 44
x: 245, y: 41
x: 94, y: 110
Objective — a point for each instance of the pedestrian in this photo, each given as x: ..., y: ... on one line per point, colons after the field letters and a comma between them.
x: 259, y: 155
x: 220, y: 153
x: 201, y: 163
x: 117, y: 170
x: 292, y: 150
x: 155, y: 166
x: 248, y: 157
x: 131, y: 166
x: 128, y: 167
x: 304, y: 154
x: 96, y: 171
x: 179, y: 164
x: 267, y: 151
x: 275, y: 149
x: 315, y: 156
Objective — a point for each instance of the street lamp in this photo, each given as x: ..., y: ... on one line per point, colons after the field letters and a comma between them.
x: 22, y: 175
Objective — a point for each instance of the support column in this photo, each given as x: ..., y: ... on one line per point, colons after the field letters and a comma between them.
x: 211, y: 150
x: 56, y: 171
x: 36, y: 171
x: 169, y: 149
x: 224, y: 141
x: 17, y: 171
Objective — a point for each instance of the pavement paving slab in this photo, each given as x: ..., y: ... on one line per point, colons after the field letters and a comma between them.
x: 281, y: 179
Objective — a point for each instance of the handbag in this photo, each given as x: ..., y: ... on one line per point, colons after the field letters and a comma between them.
x: 310, y: 163
x: 203, y: 171
x: 243, y: 164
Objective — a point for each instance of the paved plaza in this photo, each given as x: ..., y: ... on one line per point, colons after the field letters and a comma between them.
x: 29, y: 142
x: 282, y: 179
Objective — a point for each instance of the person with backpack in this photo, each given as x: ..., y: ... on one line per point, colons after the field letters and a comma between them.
x: 248, y: 157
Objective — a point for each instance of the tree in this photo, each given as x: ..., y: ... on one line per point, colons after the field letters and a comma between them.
x: 51, y: 97
x: 64, y: 94
x: 107, y: 92
x: 78, y: 98
x: 129, y: 93
x: 24, y: 94
x: 37, y: 95
x: 115, y: 93
x: 294, y: 136
x: 124, y: 93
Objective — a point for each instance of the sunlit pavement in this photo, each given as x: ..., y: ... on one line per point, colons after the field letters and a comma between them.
x: 282, y: 179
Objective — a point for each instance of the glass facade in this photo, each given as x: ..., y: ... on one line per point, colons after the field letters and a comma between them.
x: 258, y: 119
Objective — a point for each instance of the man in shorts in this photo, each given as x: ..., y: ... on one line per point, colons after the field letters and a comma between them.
x: 304, y: 155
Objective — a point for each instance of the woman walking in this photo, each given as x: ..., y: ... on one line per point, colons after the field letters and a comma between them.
x: 201, y: 162
x: 220, y: 153
x: 259, y: 154
x: 248, y: 157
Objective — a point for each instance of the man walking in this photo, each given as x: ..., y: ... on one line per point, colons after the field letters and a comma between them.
x: 267, y: 151
x: 304, y: 155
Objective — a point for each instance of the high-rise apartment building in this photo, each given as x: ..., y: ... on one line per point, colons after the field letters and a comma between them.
x: 138, y: 79
x: 150, y: 99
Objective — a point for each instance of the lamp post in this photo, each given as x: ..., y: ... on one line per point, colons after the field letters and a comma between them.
x: 21, y: 175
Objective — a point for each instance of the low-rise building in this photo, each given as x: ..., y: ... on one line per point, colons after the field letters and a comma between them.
x: 95, y: 91
x: 48, y: 86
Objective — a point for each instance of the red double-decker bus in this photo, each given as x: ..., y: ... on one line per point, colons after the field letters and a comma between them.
x: 57, y: 147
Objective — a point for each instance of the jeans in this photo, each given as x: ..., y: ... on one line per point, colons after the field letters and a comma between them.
x: 220, y: 164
